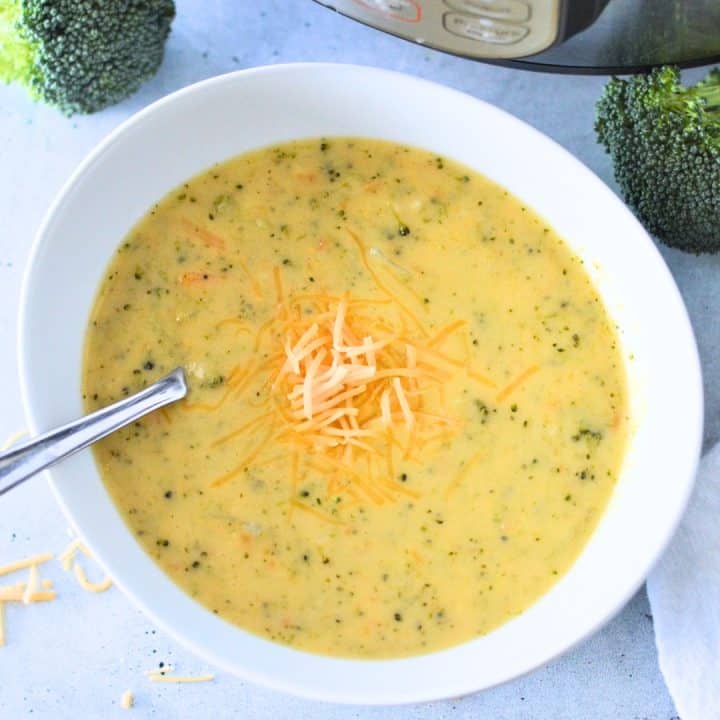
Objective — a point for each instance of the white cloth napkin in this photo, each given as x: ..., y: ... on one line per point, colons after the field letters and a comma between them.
x: 684, y: 592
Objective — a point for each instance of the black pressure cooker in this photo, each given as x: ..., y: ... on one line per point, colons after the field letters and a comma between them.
x: 581, y: 36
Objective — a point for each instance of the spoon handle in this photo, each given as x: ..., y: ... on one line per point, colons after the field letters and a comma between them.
x: 22, y: 461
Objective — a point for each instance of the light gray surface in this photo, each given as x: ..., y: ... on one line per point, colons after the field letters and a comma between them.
x: 73, y: 658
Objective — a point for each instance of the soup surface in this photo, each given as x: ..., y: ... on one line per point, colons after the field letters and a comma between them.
x: 407, y: 407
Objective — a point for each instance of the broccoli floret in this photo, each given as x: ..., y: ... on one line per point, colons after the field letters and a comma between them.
x: 82, y: 55
x: 664, y: 141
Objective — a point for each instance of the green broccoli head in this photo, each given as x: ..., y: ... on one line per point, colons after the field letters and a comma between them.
x: 82, y: 55
x: 664, y: 141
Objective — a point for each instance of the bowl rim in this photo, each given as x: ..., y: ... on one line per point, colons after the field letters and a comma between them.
x: 246, y: 672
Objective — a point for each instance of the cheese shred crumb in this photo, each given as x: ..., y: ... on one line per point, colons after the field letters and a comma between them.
x: 85, y: 584
x: 12, y: 440
x: 32, y: 585
x: 127, y: 700
x: 12, y: 593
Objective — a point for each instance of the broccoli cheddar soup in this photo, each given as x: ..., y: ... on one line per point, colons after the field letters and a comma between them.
x: 407, y: 405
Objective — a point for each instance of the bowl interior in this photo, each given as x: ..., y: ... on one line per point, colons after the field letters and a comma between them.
x: 206, y: 123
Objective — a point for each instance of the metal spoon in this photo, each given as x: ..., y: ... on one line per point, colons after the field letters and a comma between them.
x: 25, y: 460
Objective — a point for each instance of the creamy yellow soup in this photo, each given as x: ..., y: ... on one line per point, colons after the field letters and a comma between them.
x: 479, y: 440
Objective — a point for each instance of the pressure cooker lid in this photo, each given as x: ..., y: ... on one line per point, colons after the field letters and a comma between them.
x: 587, y: 36
x: 631, y: 35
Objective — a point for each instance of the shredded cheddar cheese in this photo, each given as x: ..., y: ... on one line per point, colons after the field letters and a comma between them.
x: 37, y: 589
x: 33, y: 591
x: 160, y: 674
x: 85, y: 584
x: 25, y: 563
x: 351, y: 385
x: 181, y: 678
x: 516, y: 383
x: 68, y: 562
x: 67, y: 556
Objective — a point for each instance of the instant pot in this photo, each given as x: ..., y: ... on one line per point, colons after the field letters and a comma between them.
x: 582, y: 36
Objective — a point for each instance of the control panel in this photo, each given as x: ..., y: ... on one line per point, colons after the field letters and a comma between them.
x: 483, y: 29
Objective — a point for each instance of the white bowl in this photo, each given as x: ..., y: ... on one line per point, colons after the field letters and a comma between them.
x: 185, y: 133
